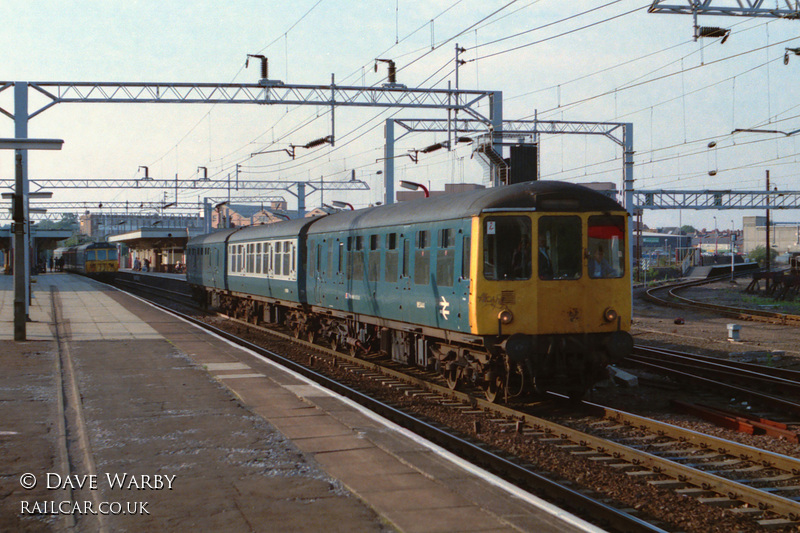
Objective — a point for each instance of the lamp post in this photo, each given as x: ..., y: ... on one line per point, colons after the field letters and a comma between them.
x: 414, y: 187
x: 716, y: 238
x: 342, y: 205
x: 732, y: 240
x: 21, y: 230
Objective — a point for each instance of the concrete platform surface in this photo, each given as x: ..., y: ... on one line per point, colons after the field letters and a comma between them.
x: 131, y: 419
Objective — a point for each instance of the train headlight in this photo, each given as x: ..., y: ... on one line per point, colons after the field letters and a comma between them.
x: 610, y: 315
x: 505, y: 317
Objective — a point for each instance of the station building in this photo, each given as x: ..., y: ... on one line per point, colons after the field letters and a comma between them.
x: 784, y: 237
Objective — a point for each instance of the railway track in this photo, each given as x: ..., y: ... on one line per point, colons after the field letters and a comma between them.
x: 662, y: 455
x: 522, y: 475
x: 718, y: 473
x: 673, y: 299
x: 766, y: 385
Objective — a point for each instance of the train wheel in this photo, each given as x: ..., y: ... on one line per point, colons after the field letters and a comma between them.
x: 494, y: 389
x: 311, y: 336
x: 451, y: 376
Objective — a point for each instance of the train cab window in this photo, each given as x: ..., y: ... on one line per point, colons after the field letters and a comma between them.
x: 445, y: 258
x: 422, y: 258
x: 374, y: 259
x: 559, y: 255
x: 606, y: 246
x: 507, y: 248
x: 392, y: 257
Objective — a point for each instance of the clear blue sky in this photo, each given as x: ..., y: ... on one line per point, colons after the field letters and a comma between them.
x: 577, y: 61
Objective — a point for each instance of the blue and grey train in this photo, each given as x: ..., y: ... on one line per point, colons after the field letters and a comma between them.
x: 513, y: 289
x: 94, y: 259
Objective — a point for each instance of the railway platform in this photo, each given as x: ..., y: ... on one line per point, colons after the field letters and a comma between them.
x: 117, y: 416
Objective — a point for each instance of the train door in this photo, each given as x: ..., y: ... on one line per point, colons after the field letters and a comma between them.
x: 318, y: 266
x: 448, y: 292
x: 405, y: 264
x: 462, y: 282
x: 215, y: 268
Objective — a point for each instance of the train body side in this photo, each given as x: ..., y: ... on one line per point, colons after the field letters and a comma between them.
x: 206, y: 258
x: 414, y: 274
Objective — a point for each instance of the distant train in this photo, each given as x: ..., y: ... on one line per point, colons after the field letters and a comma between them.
x: 98, y: 259
x: 513, y: 289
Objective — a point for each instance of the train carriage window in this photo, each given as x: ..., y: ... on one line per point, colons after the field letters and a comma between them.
x: 606, y: 246
x: 507, y: 248
x: 465, y: 257
x: 277, y: 263
x: 356, y: 258
x: 258, y: 259
x: 374, y: 259
x: 267, y: 260
x: 559, y: 249
x: 392, y: 257
x: 406, y: 253
x: 291, y: 262
x: 250, y: 260
x: 445, y: 258
x: 422, y: 258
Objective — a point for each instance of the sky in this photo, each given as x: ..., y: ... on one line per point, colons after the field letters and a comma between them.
x: 596, y: 61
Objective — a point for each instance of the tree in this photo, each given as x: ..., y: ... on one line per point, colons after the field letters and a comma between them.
x: 759, y: 255
x: 687, y: 229
x: 68, y: 221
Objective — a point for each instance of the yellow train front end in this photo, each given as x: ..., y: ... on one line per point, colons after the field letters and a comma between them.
x: 552, y: 296
x: 101, y: 267
x: 98, y: 260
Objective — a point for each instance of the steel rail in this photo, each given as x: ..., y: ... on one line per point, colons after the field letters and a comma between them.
x: 717, y: 369
x: 687, y: 474
x: 784, y: 373
x: 734, y: 312
x: 774, y: 401
x: 475, y: 452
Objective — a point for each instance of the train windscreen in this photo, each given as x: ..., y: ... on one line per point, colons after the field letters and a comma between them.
x: 606, y: 246
x: 559, y: 255
x: 507, y: 248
